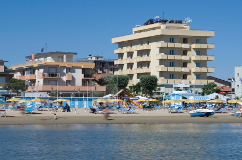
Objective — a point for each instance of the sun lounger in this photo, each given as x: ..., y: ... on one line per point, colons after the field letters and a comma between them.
x: 222, y: 111
x: 3, y: 113
x: 29, y: 110
x: 176, y: 110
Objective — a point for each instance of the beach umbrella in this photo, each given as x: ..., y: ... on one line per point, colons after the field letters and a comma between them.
x: 142, y: 100
x: 202, y: 100
x: 152, y: 100
x: 100, y: 100
x: 61, y: 100
x: 37, y: 100
x: 14, y: 100
x: 115, y: 100
x: 216, y: 101
x: 192, y: 101
x: 234, y: 101
x: 24, y: 101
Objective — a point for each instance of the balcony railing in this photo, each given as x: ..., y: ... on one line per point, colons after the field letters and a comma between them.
x: 51, y: 75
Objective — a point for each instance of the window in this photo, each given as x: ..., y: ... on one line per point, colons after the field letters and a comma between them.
x: 185, y: 52
x: 171, y: 76
x: 171, y: 52
x: 198, y: 41
x: 197, y: 76
x: 52, y: 82
x: 185, y: 40
x: 198, y: 53
x: 171, y: 64
x: 52, y: 70
x: 198, y: 64
x: 237, y: 74
x: 171, y: 40
x: 68, y: 70
x: 184, y: 64
x: 148, y: 42
x: 131, y: 45
x: 237, y: 86
x: 184, y: 76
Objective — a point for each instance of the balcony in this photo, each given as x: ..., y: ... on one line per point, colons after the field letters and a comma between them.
x: 120, y: 61
x: 200, y: 81
x: 143, y: 59
x: 185, y: 45
x: 205, y: 46
x: 174, y: 69
x: 161, y: 56
x: 119, y: 51
x: 175, y: 81
x: 129, y: 60
x: 210, y: 70
x: 143, y: 47
x: 68, y: 77
x: 202, y: 58
x: 161, y: 68
x: 143, y: 70
x: 185, y: 81
x: 128, y: 49
x: 130, y: 71
x: 49, y: 75
x: 210, y: 58
x: 47, y: 88
x: 185, y: 69
x: 161, y: 44
x: 203, y: 70
x: 185, y: 58
x: 162, y: 80
x: 119, y: 72
x: 30, y: 77
x: 23, y: 78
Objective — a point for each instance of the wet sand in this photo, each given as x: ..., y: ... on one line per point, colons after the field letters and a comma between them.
x: 140, y: 117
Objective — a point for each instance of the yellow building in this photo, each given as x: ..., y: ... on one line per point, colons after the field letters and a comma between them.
x: 168, y: 50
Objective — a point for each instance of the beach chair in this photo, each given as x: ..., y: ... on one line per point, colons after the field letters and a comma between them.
x: 131, y: 111
x: 29, y: 110
x: 126, y: 111
x: 178, y: 110
x: 222, y: 111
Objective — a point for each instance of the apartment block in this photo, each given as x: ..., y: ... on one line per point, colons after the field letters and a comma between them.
x: 103, y: 66
x: 168, y: 50
x: 4, y: 78
x: 45, y: 72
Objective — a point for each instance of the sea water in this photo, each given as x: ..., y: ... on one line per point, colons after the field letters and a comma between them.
x: 121, y: 141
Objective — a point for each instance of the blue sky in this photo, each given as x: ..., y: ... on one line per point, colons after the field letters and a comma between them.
x: 87, y: 26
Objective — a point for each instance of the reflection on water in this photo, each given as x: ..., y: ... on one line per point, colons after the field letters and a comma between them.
x: 121, y: 141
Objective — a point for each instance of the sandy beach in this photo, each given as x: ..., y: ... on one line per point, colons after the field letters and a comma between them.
x: 140, y: 117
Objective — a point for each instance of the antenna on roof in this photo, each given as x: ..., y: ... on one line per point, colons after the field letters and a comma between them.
x: 46, y: 47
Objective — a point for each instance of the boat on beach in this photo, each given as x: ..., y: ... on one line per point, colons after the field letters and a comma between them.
x: 201, y: 112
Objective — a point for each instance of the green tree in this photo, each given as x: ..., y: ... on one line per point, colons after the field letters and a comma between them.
x: 6, y: 70
x: 122, y: 80
x: 149, y: 84
x: 137, y: 88
x: 55, y: 92
x: 15, y: 85
x: 209, y: 89
x: 104, y: 80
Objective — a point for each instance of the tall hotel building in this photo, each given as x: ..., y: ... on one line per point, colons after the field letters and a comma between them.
x: 168, y: 50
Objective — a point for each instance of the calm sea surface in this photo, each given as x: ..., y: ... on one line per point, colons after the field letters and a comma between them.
x: 121, y: 141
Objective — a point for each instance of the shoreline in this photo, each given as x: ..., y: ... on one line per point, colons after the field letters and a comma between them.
x: 28, y: 120
x: 140, y: 117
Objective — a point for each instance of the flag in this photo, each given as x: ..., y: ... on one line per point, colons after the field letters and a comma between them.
x: 233, y: 79
x: 240, y: 79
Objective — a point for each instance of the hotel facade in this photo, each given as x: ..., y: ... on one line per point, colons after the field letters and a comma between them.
x: 47, y: 72
x: 170, y: 51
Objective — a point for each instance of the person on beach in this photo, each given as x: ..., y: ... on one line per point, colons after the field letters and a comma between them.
x: 55, y: 116
x: 105, y: 113
x: 240, y: 112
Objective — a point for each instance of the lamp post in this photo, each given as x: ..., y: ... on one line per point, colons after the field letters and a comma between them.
x: 92, y: 92
x: 87, y: 94
x: 71, y: 99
